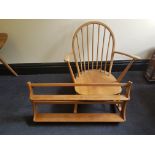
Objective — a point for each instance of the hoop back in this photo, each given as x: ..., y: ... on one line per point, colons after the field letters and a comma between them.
x: 93, y: 45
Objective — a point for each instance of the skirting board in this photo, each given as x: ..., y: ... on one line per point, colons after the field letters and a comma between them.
x: 61, y: 67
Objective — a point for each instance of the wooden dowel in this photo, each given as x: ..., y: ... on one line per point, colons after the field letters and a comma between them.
x: 83, y: 50
x: 123, y: 110
x: 71, y: 71
x: 122, y: 75
x: 75, y: 108
x: 76, y: 62
x: 128, y: 89
x: 111, y: 62
x: 103, y: 46
x: 8, y: 67
x: 93, y: 47
x: 29, y: 84
x: 128, y: 55
x: 98, y: 46
x: 79, y: 53
x: 88, y: 45
x: 76, y: 84
x: 105, y: 67
x: 34, y: 110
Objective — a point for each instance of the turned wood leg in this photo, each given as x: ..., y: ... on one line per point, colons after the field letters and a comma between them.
x: 34, y: 111
x: 8, y: 67
x: 75, y: 108
x: 123, y: 110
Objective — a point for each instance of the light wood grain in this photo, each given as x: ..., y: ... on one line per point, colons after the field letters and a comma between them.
x: 92, y: 84
x: 93, y: 48
x: 98, y: 46
x: 79, y: 53
x: 78, y: 98
x: 94, y: 51
x: 96, y: 76
x: 103, y: 47
x: 3, y: 39
x: 105, y: 66
x: 78, y: 117
x: 88, y: 45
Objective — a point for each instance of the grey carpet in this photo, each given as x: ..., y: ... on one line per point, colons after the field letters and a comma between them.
x: 16, y: 110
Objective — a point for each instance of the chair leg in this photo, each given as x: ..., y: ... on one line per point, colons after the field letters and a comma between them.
x: 75, y: 108
x: 8, y: 67
x: 34, y: 111
x: 123, y: 110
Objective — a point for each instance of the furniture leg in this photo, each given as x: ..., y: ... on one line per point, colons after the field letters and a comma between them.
x: 123, y: 110
x: 75, y: 108
x: 34, y: 111
x: 8, y: 67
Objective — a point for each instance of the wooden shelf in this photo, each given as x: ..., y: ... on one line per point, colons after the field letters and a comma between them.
x: 42, y: 98
x: 78, y: 117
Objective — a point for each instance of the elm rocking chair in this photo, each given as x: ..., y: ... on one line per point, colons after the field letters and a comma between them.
x: 93, y: 51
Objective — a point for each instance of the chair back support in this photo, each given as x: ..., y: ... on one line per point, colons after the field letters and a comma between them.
x: 93, y: 43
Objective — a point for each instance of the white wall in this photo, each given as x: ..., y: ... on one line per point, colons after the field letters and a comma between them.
x: 34, y: 41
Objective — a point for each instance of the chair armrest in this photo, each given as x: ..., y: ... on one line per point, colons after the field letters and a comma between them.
x: 68, y: 57
x: 128, y: 55
x: 120, y: 78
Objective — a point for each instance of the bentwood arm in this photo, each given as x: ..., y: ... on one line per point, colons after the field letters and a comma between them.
x: 133, y: 58
x: 128, y: 55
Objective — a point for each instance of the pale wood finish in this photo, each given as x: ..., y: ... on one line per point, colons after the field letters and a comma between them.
x: 75, y: 84
x: 3, y: 39
x: 94, y: 51
x: 96, y: 76
x: 79, y: 99
x: 71, y: 71
x: 77, y: 117
x: 93, y: 83
x: 88, y: 45
x: 128, y: 55
x: 75, y: 108
x: 8, y: 67
x: 103, y: 47
x: 99, y: 73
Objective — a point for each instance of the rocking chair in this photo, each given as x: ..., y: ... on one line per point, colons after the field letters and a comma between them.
x: 93, y: 51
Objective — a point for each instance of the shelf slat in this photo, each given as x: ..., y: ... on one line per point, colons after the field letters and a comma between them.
x: 77, y: 117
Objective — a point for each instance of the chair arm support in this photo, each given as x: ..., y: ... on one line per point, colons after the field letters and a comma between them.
x: 128, y: 89
x: 67, y: 59
x: 68, y: 56
x: 122, y: 75
x: 128, y: 55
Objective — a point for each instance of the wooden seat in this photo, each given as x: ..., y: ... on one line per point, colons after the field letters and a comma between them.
x: 93, y: 51
x: 97, y: 76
